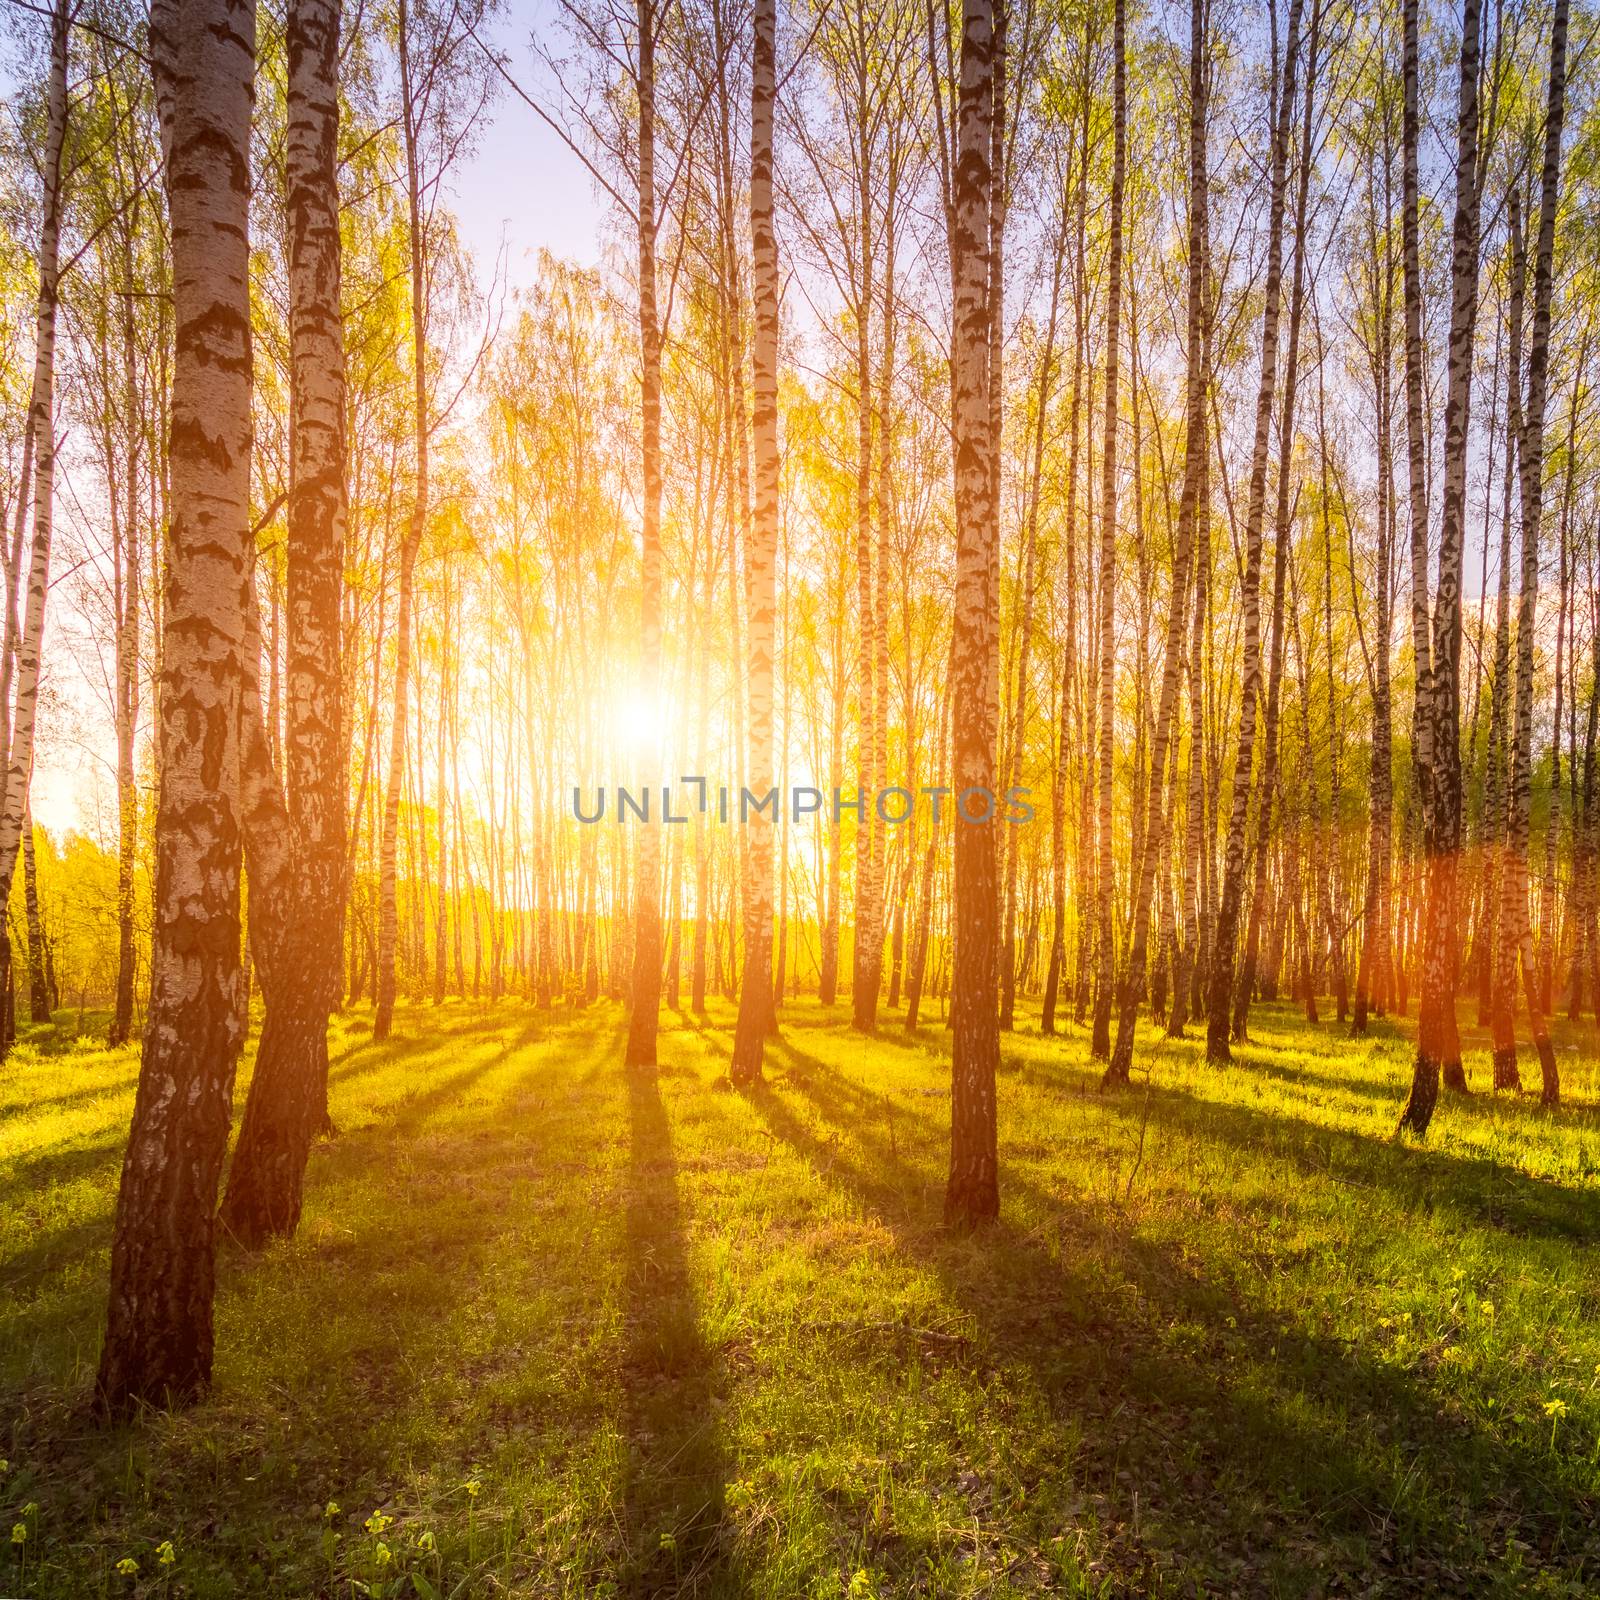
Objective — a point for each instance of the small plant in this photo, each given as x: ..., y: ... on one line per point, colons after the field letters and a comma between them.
x: 472, y: 1487
x: 331, y: 1536
x: 1555, y: 1409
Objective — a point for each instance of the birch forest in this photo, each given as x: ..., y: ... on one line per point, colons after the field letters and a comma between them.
x: 890, y: 886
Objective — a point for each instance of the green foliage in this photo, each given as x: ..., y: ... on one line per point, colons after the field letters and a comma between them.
x: 77, y: 914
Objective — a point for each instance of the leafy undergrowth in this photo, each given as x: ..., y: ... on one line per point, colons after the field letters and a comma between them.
x: 551, y: 1328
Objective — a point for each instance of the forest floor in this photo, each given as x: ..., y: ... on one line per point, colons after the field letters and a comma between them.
x: 573, y: 1331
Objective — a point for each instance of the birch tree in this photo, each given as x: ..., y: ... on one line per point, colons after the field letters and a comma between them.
x: 755, y: 992
x: 1438, y: 740
x: 295, y: 832
x: 159, y: 1330
x: 972, y: 1194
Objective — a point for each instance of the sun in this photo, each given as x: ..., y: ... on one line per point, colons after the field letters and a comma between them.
x: 638, y: 719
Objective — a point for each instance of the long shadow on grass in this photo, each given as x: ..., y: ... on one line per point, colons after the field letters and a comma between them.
x: 54, y: 1251
x: 1475, y: 1189
x: 1472, y: 1188
x: 676, y: 1473
x: 382, y: 1310
x: 1182, y: 1388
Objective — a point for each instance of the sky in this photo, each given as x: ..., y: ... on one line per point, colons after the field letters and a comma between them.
x: 521, y: 190
x: 523, y: 184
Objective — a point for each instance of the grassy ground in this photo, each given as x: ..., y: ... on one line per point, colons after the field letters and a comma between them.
x: 571, y: 1331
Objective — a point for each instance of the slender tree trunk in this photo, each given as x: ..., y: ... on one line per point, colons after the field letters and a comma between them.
x: 1100, y: 1043
x: 1282, y: 534
x: 24, y: 647
x: 158, y: 1341
x: 1132, y: 985
x: 755, y: 998
x: 645, y: 995
x: 1071, y: 704
x: 388, y: 924
x: 973, y: 1192
x: 1372, y: 970
x: 930, y: 861
x: 1227, y: 925
x: 1194, y: 497
x: 38, y: 953
x: 294, y: 833
x: 1516, y: 921
x: 1438, y: 753
x: 1500, y: 915
x: 126, y: 693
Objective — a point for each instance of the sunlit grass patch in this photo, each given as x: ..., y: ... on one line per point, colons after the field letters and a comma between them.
x: 1228, y: 1334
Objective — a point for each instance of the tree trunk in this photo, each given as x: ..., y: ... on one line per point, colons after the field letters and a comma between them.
x: 645, y: 992
x: 388, y: 921
x: 1182, y: 560
x: 294, y: 833
x: 1282, y: 535
x: 158, y: 1341
x: 1227, y: 924
x: 1438, y: 753
x: 1100, y: 1044
x: 973, y: 1192
x: 1517, y: 934
x: 755, y: 997
x: 1071, y: 705
x: 38, y: 955
x: 23, y: 648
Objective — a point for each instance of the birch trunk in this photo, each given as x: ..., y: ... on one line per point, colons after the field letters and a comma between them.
x: 1516, y: 924
x: 1372, y: 965
x: 388, y: 918
x: 1182, y: 561
x: 1439, y: 752
x: 1071, y: 705
x: 294, y: 832
x: 1194, y: 498
x: 755, y: 996
x: 24, y: 647
x: 1267, y: 799
x: 1227, y: 924
x: 645, y: 993
x: 126, y: 691
x: 159, y: 1332
x: 1019, y: 729
x: 973, y: 1192
x: 1105, y: 886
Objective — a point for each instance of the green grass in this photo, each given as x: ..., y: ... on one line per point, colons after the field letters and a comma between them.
x: 1228, y: 1337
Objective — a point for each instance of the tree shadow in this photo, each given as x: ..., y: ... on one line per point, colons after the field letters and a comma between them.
x: 1475, y: 1189
x: 676, y: 1539
x: 1239, y: 1425
x: 61, y: 1250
